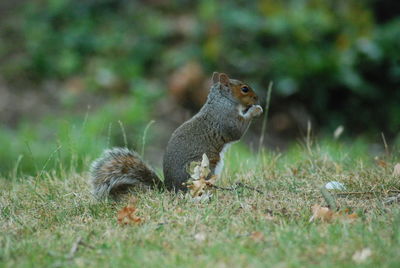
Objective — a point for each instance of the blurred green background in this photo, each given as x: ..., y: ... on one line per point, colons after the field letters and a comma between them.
x: 76, y: 75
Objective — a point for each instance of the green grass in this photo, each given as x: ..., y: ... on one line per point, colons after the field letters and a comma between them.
x: 65, y: 141
x: 42, y: 217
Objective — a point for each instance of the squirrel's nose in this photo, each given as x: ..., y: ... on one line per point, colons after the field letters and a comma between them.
x: 255, y: 98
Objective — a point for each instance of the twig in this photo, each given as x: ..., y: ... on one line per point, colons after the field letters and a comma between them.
x: 356, y: 193
x: 385, y: 144
x: 74, y: 248
x: 366, y: 192
x: 264, y: 122
x: 235, y: 187
x: 308, y: 138
x: 222, y: 188
x: 239, y: 184
x: 86, y: 245
x: 392, y: 199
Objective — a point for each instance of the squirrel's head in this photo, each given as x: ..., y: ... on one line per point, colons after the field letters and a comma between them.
x: 235, y: 89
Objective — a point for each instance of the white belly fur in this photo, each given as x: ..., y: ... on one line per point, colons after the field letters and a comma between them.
x: 220, y: 164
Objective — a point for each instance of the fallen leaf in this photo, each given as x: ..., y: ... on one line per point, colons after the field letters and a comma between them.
x: 127, y: 216
x: 380, y: 162
x: 361, y: 256
x: 321, y: 213
x: 199, y: 171
x: 352, y: 216
x: 396, y: 170
x: 257, y: 236
x: 324, y: 214
x: 212, y: 180
x: 346, y: 210
x: 197, y: 187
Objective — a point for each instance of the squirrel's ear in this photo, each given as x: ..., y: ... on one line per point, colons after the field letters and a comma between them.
x: 224, y: 79
x: 215, y: 77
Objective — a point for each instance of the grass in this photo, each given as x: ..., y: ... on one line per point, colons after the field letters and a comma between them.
x: 66, y: 140
x: 43, y: 217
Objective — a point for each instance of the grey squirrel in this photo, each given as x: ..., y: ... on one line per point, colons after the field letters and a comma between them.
x: 223, y: 119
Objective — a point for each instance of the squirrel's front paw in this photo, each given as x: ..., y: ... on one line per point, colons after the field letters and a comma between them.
x: 256, y: 110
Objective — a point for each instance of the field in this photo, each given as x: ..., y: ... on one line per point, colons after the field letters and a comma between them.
x: 51, y: 220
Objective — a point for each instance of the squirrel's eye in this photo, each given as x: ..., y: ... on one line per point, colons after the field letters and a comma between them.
x: 245, y: 89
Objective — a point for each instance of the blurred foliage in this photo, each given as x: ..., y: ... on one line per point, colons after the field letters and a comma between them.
x: 332, y: 56
x: 339, y: 59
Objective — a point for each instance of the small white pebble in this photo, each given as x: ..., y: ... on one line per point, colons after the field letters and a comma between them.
x: 338, y: 132
x: 335, y: 185
x: 396, y: 170
x: 200, y: 237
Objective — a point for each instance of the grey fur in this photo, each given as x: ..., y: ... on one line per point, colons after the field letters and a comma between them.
x: 220, y: 121
x: 112, y: 171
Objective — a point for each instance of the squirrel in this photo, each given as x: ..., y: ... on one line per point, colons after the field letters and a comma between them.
x: 224, y: 118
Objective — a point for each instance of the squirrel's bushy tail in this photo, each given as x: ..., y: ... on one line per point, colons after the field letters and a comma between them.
x: 117, y: 169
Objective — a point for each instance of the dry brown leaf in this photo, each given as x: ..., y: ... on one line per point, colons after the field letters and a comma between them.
x: 212, y: 180
x: 346, y: 215
x: 199, y: 171
x: 380, y: 162
x: 324, y: 214
x: 197, y: 187
x: 396, y: 170
x: 127, y: 215
x: 352, y: 216
x: 321, y: 213
x: 361, y: 256
x: 257, y: 236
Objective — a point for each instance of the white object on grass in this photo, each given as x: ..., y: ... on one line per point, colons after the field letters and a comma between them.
x: 335, y: 185
x: 338, y: 132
